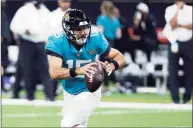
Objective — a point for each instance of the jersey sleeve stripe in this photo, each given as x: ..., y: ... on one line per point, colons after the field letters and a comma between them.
x: 106, y: 53
x: 53, y: 53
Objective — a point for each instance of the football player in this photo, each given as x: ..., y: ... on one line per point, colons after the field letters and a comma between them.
x: 72, y: 53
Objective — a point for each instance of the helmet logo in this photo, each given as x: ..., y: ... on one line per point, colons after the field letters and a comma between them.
x: 91, y: 52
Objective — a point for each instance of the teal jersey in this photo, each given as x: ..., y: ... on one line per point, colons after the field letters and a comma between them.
x: 110, y: 26
x: 58, y: 45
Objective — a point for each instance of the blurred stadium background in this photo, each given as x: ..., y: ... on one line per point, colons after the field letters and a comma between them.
x: 146, y: 105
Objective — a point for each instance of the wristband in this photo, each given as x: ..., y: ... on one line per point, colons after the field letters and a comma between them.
x: 114, y: 62
x: 72, y: 72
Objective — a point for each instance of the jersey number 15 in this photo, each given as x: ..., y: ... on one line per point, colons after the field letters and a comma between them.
x: 78, y: 64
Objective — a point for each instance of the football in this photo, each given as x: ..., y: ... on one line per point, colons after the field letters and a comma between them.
x: 96, y: 79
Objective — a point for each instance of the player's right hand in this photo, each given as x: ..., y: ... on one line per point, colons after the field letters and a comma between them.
x: 86, y: 69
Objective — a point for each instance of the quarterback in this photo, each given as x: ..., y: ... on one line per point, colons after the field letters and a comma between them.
x: 72, y: 54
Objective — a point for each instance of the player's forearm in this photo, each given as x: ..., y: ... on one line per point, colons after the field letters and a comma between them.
x: 120, y: 59
x: 59, y: 73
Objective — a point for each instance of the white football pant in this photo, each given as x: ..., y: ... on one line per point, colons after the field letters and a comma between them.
x: 78, y: 108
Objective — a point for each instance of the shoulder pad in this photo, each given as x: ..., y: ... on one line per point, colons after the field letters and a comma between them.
x: 58, y: 37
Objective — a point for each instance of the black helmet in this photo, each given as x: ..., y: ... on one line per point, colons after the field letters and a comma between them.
x: 75, y: 19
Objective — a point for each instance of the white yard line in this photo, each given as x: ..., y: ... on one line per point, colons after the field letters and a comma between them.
x: 159, y: 106
x: 106, y: 112
x: 30, y: 115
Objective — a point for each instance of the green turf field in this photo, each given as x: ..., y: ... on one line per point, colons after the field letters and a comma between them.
x: 118, y: 97
x: 30, y: 116
x: 34, y: 116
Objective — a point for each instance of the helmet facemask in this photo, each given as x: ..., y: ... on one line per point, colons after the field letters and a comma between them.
x: 81, y: 34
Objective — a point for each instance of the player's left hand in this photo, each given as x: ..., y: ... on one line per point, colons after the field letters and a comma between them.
x: 109, y: 67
